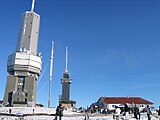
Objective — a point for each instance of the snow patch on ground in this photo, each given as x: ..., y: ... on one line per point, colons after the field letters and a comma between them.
x: 68, y: 114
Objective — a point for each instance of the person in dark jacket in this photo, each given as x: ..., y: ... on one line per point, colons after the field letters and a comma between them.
x: 59, y: 111
x: 86, y: 115
x: 159, y: 113
x: 126, y: 110
x: 10, y: 111
x: 137, y: 114
x: 149, y: 112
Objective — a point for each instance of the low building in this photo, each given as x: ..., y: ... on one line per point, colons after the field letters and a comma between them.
x: 110, y: 102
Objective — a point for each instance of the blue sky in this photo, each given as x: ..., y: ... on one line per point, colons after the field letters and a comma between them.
x: 114, y: 46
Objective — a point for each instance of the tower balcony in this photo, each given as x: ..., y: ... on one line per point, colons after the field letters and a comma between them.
x: 23, y: 63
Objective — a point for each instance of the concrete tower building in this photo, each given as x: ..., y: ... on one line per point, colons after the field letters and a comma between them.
x: 24, y: 65
x: 66, y: 81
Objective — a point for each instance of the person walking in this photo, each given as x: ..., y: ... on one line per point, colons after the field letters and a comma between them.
x: 126, y: 110
x: 10, y: 111
x: 148, y: 113
x: 33, y: 111
x: 137, y: 114
x: 117, y: 113
x: 159, y: 113
x: 86, y: 115
x: 59, y: 111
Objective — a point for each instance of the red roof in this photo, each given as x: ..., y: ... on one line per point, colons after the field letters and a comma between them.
x: 122, y: 100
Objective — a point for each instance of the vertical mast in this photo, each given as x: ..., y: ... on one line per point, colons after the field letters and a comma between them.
x: 51, y: 69
x: 66, y: 59
x: 33, y: 1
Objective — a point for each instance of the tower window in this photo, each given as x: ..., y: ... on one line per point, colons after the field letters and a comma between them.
x: 17, y: 99
x: 26, y: 94
x: 20, y: 84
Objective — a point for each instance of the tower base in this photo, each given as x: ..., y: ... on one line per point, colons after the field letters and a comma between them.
x: 68, y: 104
x: 20, y: 91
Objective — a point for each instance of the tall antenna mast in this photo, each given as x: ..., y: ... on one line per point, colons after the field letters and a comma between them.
x: 51, y: 69
x: 66, y: 70
x: 33, y: 2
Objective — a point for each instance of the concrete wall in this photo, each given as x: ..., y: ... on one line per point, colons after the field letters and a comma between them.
x: 30, y: 87
x: 24, y: 93
x: 66, y: 81
x: 11, y: 86
x: 29, y: 31
x: 65, y: 91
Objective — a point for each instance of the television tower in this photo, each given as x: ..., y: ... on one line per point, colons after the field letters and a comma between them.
x: 24, y: 65
x: 66, y: 82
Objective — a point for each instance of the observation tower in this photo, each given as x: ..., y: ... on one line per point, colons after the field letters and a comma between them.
x: 24, y: 65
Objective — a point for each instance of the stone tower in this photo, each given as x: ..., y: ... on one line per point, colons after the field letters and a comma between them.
x: 24, y: 65
x: 66, y: 82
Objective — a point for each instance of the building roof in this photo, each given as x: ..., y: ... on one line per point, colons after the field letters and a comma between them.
x: 122, y: 100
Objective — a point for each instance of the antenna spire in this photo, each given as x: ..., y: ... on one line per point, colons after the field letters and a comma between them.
x: 66, y: 59
x: 51, y: 69
x: 33, y: 2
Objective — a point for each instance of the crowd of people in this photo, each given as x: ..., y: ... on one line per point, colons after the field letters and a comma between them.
x: 125, y: 112
x: 118, y: 113
x: 135, y: 111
